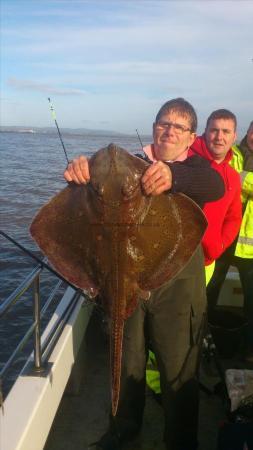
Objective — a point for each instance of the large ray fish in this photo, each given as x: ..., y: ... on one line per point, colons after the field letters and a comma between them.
x: 107, y: 237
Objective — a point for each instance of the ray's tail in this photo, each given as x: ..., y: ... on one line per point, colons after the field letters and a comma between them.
x: 115, y: 360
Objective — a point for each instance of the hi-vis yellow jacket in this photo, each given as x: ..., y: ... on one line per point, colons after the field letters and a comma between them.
x: 244, y: 247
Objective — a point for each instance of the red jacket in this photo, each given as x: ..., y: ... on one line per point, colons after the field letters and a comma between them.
x: 224, y: 215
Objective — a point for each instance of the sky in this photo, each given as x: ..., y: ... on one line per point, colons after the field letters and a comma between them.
x: 111, y: 64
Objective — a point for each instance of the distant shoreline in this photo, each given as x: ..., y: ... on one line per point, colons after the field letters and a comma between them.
x: 72, y: 131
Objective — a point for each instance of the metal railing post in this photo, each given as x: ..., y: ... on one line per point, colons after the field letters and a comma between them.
x: 1, y: 394
x: 37, y: 331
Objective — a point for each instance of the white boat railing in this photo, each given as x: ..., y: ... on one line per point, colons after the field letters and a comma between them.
x: 40, y: 353
x: 41, y: 383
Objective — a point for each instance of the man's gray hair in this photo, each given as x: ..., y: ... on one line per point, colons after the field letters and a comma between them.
x: 181, y: 107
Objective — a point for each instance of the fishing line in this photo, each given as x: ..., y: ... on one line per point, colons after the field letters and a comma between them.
x: 39, y: 260
x: 140, y: 140
x: 55, y: 121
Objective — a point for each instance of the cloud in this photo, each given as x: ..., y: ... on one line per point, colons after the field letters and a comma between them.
x: 128, y: 55
x: 45, y: 88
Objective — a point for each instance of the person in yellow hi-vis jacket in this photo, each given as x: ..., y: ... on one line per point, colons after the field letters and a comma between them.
x: 240, y: 253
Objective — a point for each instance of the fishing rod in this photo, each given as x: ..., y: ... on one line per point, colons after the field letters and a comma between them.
x: 55, y: 121
x: 140, y: 140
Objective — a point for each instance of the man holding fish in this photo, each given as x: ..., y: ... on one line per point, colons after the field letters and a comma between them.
x: 223, y: 215
x: 171, y: 321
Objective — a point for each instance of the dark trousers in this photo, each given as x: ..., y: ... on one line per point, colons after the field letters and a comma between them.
x: 171, y: 321
x: 245, y: 269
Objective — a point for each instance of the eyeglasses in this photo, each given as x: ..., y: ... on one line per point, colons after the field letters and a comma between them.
x: 178, y: 128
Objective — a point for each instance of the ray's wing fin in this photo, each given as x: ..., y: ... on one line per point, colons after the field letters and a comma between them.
x: 62, y: 229
x: 167, y: 238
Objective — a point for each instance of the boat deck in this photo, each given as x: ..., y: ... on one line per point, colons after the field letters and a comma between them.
x: 81, y: 419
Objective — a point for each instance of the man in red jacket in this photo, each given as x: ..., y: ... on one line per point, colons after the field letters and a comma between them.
x: 224, y: 215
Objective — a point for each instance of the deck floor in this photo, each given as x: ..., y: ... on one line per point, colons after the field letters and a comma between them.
x: 83, y: 418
